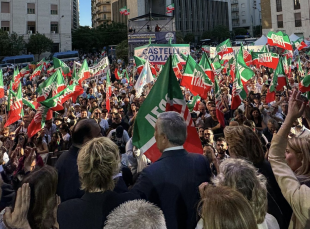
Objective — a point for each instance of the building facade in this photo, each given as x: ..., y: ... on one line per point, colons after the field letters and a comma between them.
x: 289, y: 16
x: 49, y: 17
x: 246, y: 14
x: 75, y: 14
x: 101, y: 12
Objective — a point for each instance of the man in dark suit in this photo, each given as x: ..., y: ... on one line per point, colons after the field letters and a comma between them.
x: 172, y: 182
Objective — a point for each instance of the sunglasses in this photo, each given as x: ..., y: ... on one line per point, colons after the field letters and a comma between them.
x: 115, y: 119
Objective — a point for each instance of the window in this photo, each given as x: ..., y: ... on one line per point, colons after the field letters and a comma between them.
x: 31, y: 26
x: 30, y: 8
x: 54, y: 27
x: 243, y: 13
x: 243, y: 21
x: 5, y: 7
x: 243, y: 5
x: 280, y: 20
x: 5, y: 25
x: 279, y: 5
x: 54, y: 9
x: 297, y: 19
x: 296, y: 4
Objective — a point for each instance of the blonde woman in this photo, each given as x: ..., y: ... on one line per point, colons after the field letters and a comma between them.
x: 295, y: 193
x: 98, y: 161
x: 244, y: 143
x: 223, y: 208
x: 297, y: 156
x: 241, y: 176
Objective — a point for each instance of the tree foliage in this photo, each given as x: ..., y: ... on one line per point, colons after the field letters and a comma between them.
x: 39, y: 43
x: 11, y: 45
x: 86, y: 39
x: 206, y: 35
x: 189, y: 37
x: 179, y: 38
x: 122, y: 50
x: 220, y: 33
x: 257, y: 31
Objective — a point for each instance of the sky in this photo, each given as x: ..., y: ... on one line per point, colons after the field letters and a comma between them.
x: 85, y: 12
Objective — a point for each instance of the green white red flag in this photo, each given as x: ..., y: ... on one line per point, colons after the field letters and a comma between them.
x: 32, y: 104
x: 184, y: 57
x: 224, y: 48
x: 51, y: 70
x: 127, y: 12
x: 37, y: 72
x: 219, y: 104
x: 238, y: 92
x: 245, y: 72
x: 288, y: 53
x: 24, y: 71
x: 232, y: 68
x: 170, y: 7
x: 264, y: 49
x: 300, y: 44
x: 1, y: 84
x: 304, y: 85
x: 139, y: 62
x: 247, y: 56
x: 165, y: 95
x: 10, y: 99
x: 117, y: 74
x: 108, y: 91
x: 83, y: 73
x: 280, y: 40
x: 65, y: 70
x: 300, y: 68
x: 38, y: 122
x: 52, y: 86
x: 217, y: 64
x: 195, y: 79
x: 286, y: 65
x: 42, y: 62
x: 205, y: 64
x: 176, y: 67
x: 123, y: 10
x: 267, y: 59
x: 16, y: 110
x: 279, y: 80
x: 16, y: 79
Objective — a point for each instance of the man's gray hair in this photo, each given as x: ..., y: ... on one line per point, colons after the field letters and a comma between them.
x: 172, y: 124
x: 136, y: 214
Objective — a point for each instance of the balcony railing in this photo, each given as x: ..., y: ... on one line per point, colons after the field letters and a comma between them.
x: 103, y: 18
x: 235, y: 24
x: 235, y: 9
x: 235, y: 17
x: 234, y: 2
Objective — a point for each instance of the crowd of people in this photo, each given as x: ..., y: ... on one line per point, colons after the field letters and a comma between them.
x: 82, y: 170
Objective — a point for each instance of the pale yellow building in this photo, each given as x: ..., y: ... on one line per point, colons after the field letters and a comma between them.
x: 101, y: 12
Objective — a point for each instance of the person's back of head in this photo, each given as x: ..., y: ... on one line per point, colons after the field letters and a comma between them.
x: 43, y: 185
x: 223, y: 208
x: 136, y: 214
x: 243, y: 177
x: 85, y: 130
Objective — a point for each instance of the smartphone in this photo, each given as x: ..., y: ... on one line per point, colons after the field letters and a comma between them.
x: 194, y: 115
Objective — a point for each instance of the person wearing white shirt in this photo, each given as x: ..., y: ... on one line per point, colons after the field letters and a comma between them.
x: 300, y: 130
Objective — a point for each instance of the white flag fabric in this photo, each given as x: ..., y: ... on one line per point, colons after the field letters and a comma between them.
x: 144, y: 78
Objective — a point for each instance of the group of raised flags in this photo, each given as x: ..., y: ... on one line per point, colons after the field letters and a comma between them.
x: 124, y: 11
x: 170, y: 8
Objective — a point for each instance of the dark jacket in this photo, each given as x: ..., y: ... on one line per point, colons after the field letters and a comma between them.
x: 172, y: 184
x: 91, y: 210
x: 68, y: 176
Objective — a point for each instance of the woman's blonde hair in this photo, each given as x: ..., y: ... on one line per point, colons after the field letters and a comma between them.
x: 301, y: 145
x: 98, y: 161
x: 244, y: 178
x: 223, y: 208
x: 244, y: 143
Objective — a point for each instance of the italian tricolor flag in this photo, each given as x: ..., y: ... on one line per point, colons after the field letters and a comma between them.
x: 32, y: 104
x: 300, y: 44
x: 38, y: 122
x: 1, y: 85
x: 24, y: 71
x: 238, y: 92
x: 83, y: 73
x: 36, y: 72
x: 195, y: 79
x: 165, y: 95
x: 280, y: 40
x: 62, y: 66
x: 16, y: 110
x: 279, y: 80
x: 16, y: 79
x: 304, y: 85
x: 224, y: 48
x: 108, y: 91
x: 176, y: 65
x: 299, y: 68
x: 286, y: 65
x: 52, y: 86
x: 139, y: 62
x: 205, y: 64
x: 267, y: 59
x: 247, y: 56
x: 219, y: 104
x: 245, y: 72
x: 123, y: 10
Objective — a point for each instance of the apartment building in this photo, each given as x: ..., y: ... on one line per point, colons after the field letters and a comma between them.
x: 75, y: 14
x: 49, y: 17
x: 101, y: 12
x: 289, y: 16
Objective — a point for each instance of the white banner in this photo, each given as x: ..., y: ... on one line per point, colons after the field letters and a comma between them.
x: 256, y: 48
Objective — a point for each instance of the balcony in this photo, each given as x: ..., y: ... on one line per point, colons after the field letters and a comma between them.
x: 235, y: 17
x: 100, y: 3
x: 234, y: 9
x: 234, y: 2
x: 103, y: 19
x: 236, y: 24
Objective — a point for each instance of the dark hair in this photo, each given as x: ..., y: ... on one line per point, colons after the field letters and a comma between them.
x: 16, y: 140
x: 260, y: 119
x: 43, y: 184
x: 65, y: 127
x: 83, y: 108
x: 83, y: 129
x: 221, y: 139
